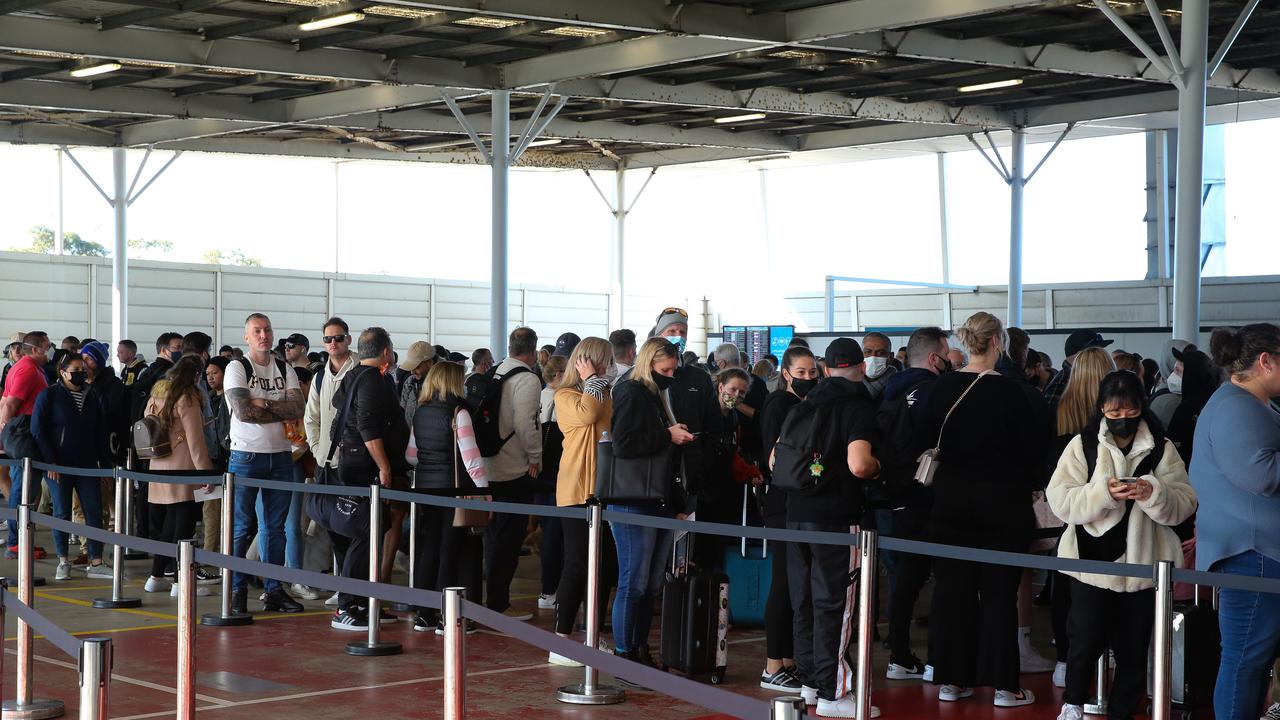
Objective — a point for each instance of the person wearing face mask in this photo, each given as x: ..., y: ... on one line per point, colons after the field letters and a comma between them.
x: 798, y: 376
x: 1120, y: 486
x: 878, y: 350
x: 1198, y: 381
x: 69, y: 427
x: 905, y: 398
x: 1168, y: 396
x: 720, y: 497
x: 1236, y: 473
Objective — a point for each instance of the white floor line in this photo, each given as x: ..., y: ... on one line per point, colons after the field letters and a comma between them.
x: 122, y: 678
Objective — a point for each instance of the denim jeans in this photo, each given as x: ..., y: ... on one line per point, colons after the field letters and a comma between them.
x: 1250, y: 624
x: 271, y: 512
x: 15, y: 497
x: 642, y: 563
x: 90, y: 492
x: 294, y: 537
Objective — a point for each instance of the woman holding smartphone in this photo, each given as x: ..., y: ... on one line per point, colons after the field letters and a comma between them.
x: 1120, y: 486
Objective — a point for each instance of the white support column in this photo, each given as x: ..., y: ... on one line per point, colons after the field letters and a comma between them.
x: 217, y: 307
x: 943, y: 222
x: 59, y: 241
x: 337, y: 218
x: 1162, y: 203
x: 500, y: 109
x: 618, y: 286
x: 93, y: 301
x: 1017, y: 184
x: 120, y: 252
x: 1191, y: 118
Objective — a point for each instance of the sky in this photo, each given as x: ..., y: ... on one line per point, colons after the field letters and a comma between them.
x: 740, y: 235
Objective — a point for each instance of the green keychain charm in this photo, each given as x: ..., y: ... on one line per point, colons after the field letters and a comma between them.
x: 815, y: 468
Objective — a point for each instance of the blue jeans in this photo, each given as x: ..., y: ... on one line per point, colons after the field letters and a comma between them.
x: 642, y: 563
x: 90, y: 492
x: 15, y: 497
x: 1250, y: 624
x: 294, y: 538
x: 271, y: 512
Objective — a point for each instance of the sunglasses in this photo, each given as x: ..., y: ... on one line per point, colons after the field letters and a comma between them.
x: 291, y: 345
x: 333, y: 338
x: 680, y: 311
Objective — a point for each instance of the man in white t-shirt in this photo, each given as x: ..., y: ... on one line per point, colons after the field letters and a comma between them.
x: 263, y: 394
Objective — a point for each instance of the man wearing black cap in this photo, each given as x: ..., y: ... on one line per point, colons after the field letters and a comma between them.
x: 818, y: 575
x: 1077, y: 342
x: 296, y: 347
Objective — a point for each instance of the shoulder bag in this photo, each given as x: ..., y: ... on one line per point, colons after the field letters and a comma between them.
x: 343, y: 514
x: 927, y: 464
x: 464, y: 517
x: 634, y: 481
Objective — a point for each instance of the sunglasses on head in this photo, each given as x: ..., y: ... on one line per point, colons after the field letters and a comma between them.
x: 677, y: 310
x: 334, y: 338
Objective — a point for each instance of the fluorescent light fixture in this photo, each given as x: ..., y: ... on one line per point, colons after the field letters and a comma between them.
x: 991, y: 85
x: 547, y: 141
x: 438, y: 145
x: 97, y: 68
x: 740, y: 118
x: 331, y: 21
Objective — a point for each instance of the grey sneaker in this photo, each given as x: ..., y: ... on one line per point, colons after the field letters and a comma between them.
x: 63, y: 572
x: 101, y: 571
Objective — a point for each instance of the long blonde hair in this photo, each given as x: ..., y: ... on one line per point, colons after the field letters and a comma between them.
x: 1077, y: 404
x: 653, y: 350
x: 598, y: 350
x: 443, y: 380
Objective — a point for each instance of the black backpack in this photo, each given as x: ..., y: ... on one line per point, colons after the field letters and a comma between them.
x: 898, y: 452
x: 800, y: 455
x: 1111, y: 545
x: 483, y: 398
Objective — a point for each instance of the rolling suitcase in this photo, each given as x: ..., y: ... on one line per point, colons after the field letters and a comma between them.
x: 1197, y: 648
x: 695, y: 618
x: 750, y: 571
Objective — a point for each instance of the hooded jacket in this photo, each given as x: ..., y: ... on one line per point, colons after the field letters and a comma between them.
x: 517, y: 418
x: 838, y: 501
x: 67, y: 435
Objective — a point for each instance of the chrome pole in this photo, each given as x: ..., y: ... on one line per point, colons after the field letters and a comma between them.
x: 1162, y: 686
x: 121, y: 527
x: 25, y: 706
x: 786, y: 708
x: 866, y: 622
x: 589, y: 692
x: 1098, y: 706
x: 224, y: 617
x: 95, y: 678
x: 186, y: 686
x: 128, y: 508
x: 27, y: 469
x: 455, y: 654
x: 413, y: 554
x: 373, y: 646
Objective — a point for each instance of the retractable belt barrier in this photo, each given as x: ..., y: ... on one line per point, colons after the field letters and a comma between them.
x: 61, y: 639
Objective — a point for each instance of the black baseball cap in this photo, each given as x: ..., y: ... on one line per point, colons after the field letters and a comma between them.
x: 565, y: 345
x: 1084, y: 339
x: 843, y: 353
x: 298, y: 339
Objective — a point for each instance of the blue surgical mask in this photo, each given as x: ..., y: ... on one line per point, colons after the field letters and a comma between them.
x: 678, y: 342
x: 175, y: 355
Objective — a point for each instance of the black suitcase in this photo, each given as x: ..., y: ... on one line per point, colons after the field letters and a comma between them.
x: 1197, y: 648
x: 695, y: 619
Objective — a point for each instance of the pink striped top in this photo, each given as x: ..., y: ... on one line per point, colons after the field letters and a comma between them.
x: 470, y: 451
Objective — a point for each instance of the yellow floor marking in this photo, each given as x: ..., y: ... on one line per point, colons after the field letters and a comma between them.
x: 163, y: 626
x: 86, y: 603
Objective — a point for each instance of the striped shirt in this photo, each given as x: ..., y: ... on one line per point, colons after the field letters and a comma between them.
x: 470, y: 451
x: 78, y: 396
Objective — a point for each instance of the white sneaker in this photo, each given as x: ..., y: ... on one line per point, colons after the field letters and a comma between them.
x: 1071, y: 712
x: 1060, y: 675
x: 562, y: 661
x: 303, y: 592
x: 63, y: 572
x: 928, y: 674
x: 201, y: 591
x: 809, y: 694
x: 845, y: 707
x: 905, y: 672
x: 332, y: 601
x: 1031, y: 661
x: 1007, y: 699
x: 546, y: 602
x: 155, y: 584
x: 952, y: 693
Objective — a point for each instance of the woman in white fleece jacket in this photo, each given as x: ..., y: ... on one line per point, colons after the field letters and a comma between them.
x: 1113, y: 520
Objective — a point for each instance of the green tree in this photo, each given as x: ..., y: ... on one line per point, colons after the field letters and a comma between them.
x: 231, y: 257
x: 141, y: 245
x: 42, y: 241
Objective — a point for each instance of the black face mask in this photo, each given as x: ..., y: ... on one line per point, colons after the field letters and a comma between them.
x: 947, y: 366
x: 1123, y: 427
x: 803, y: 387
x: 79, y: 377
x: 662, y: 381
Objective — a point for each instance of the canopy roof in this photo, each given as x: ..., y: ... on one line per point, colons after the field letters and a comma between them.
x: 652, y: 82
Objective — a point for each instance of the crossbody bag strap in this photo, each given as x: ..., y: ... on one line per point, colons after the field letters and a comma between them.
x: 339, y: 422
x: 956, y: 404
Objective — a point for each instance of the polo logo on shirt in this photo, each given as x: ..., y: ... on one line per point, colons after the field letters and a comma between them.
x: 268, y: 384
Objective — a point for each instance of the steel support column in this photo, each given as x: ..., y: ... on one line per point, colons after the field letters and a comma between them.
x: 1017, y: 184
x: 944, y: 233
x: 619, y: 255
x: 120, y: 252
x: 500, y: 105
x: 59, y: 241
x: 1187, y: 217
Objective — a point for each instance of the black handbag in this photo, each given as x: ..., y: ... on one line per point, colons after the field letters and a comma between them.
x: 343, y: 514
x: 633, y: 481
x: 17, y: 439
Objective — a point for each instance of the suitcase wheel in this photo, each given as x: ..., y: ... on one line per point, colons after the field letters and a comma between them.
x: 717, y: 677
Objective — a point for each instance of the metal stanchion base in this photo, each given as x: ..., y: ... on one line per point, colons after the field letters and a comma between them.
x: 37, y: 709
x: 1095, y: 708
x: 378, y: 649
x: 110, y: 604
x: 220, y: 620
x: 577, y: 694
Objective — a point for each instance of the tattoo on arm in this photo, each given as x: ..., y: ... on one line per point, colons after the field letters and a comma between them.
x: 292, y: 407
x: 244, y: 410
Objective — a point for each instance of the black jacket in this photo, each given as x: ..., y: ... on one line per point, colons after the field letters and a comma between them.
x: 68, y: 435
x: 838, y: 499
x: 140, y: 390
x: 113, y: 397
x: 693, y: 399
x: 771, y: 416
x: 440, y: 465
x: 375, y: 415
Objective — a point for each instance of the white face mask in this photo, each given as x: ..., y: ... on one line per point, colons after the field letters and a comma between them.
x: 876, y: 367
x: 611, y: 374
x: 1175, y: 384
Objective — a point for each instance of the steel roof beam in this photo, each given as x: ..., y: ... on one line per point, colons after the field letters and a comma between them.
x: 392, y: 28
x: 131, y: 17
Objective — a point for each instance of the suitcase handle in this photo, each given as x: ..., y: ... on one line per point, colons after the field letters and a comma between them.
x: 746, y: 494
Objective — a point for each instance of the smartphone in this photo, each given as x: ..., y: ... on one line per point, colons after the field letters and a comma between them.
x: 1128, y: 479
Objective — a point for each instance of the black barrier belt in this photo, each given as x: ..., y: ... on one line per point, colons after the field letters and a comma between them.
x: 155, y: 547
x: 675, y: 686
x: 347, y: 490
x: 428, y: 498
x: 60, y: 638
x: 10, y: 462
x: 1013, y: 559
x: 8, y: 513
x: 1228, y: 580
x: 77, y: 471
x: 814, y: 537
x: 177, y: 477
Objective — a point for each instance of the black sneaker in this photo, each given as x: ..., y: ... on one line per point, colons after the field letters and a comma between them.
x: 781, y: 681
x: 279, y: 601
x: 422, y: 624
x: 206, y: 575
x: 471, y: 628
x: 630, y: 655
x: 913, y: 669
x: 350, y: 619
x: 240, y: 601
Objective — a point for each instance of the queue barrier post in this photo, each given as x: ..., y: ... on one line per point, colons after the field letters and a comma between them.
x: 374, y: 646
x: 866, y: 619
x: 225, y: 617
x: 786, y: 708
x: 27, y: 469
x: 589, y: 692
x: 1101, y: 687
x: 455, y: 654
x: 95, y: 678
x: 121, y: 526
x: 413, y: 554
x: 4, y: 590
x: 128, y: 508
x: 25, y: 706
x: 186, y: 684
x: 1162, y: 682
